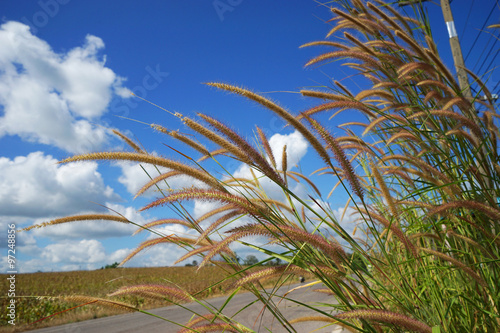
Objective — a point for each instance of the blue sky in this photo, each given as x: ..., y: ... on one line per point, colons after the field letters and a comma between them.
x: 66, y: 71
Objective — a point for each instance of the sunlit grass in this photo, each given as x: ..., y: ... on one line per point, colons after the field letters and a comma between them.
x: 422, y: 176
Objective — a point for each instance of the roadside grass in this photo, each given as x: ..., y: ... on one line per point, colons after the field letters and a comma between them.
x: 420, y: 162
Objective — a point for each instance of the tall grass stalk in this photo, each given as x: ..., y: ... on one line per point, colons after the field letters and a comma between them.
x: 422, y: 175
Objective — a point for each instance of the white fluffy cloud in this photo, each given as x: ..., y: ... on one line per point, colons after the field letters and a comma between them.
x: 203, y: 207
x: 36, y: 186
x: 158, y: 255
x: 51, y: 98
x: 84, y: 254
x: 22, y: 239
x: 296, y: 147
x: 134, y: 178
x: 84, y: 251
x: 348, y: 219
x: 93, y: 229
x: 73, y: 246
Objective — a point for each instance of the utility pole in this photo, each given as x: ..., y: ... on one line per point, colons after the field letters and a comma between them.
x: 458, y: 58
x: 456, y: 50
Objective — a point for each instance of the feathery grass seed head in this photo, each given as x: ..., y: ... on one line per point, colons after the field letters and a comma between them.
x: 84, y: 217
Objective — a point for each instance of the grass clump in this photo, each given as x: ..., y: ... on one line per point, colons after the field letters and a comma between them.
x: 422, y: 175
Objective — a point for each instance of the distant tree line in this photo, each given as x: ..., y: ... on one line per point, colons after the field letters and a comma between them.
x: 114, y: 265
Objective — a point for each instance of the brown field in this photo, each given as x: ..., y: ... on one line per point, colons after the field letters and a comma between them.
x: 35, y: 292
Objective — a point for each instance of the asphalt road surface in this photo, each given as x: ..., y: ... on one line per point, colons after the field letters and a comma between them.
x: 253, y: 316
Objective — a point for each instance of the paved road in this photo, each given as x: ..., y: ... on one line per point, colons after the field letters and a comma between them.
x: 251, y: 317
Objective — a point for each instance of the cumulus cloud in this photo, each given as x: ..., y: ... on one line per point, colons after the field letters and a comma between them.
x: 203, y: 207
x: 158, y: 255
x: 72, y: 246
x: 7, y: 223
x: 348, y: 219
x: 51, y: 98
x: 296, y: 150
x: 84, y: 254
x: 36, y: 186
x: 296, y: 147
x: 135, y: 176
x: 84, y: 251
x: 169, y: 230
x: 93, y: 229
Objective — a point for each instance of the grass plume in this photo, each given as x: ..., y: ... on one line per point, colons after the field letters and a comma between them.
x: 75, y: 218
x: 149, y: 159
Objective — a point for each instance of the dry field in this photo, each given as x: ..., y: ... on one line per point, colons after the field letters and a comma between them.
x: 36, y: 292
